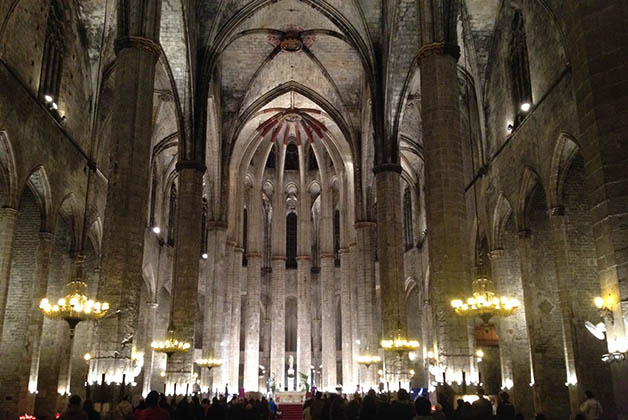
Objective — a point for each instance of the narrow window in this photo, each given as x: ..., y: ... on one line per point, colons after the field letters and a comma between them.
x: 245, y: 235
x: 54, y: 46
x: 292, y: 158
x: 153, y: 201
x: 407, y: 219
x: 204, y: 228
x: 519, y: 68
x: 172, y: 213
x: 337, y: 237
x: 291, y: 240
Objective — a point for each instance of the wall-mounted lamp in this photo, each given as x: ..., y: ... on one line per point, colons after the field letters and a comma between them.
x: 604, y: 305
x: 615, y: 356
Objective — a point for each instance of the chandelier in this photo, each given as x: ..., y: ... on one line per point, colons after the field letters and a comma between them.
x: 484, y: 304
x: 171, y: 344
x: 399, y: 344
x: 368, y: 360
x: 75, y: 306
x: 209, y: 363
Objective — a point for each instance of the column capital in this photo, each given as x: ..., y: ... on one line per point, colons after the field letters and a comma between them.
x: 556, y: 211
x: 46, y: 236
x: 303, y: 258
x: 387, y: 167
x: 359, y: 224
x: 217, y: 225
x: 152, y: 305
x: 278, y: 258
x: 253, y: 255
x: 137, y: 42
x: 238, y: 249
x: 8, y: 211
x: 438, y: 48
x: 524, y: 234
x: 327, y: 256
x: 191, y: 164
x: 352, y: 244
x: 342, y: 251
x: 231, y: 243
x: 496, y: 254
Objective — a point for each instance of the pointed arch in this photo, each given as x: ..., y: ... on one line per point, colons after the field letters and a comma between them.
x: 39, y: 184
x: 500, y: 216
x: 94, y: 234
x: 529, y: 181
x: 8, y: 173
x: 565, y: 151
x: 70, y: 211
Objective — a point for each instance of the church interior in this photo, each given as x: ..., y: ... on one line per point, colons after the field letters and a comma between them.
x: 265, y: 196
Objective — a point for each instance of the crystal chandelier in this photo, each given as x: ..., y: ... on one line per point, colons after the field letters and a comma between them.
x: 400, y: 344
x: 171, y: 344
x: 75, y: 306
x: 484, y: 304
x: 367, y: 360
x: 209, y: 363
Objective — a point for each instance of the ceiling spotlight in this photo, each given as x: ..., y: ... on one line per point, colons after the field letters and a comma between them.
x: 48, y: 98
x: 204, y: 255
x: 525, y: 107
x: 55, y: 106
x: 157, y: 230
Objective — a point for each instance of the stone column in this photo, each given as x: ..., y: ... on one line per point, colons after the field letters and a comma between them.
x: 327, y: 282
x: 186, y: 270
x: 365, y: 269
x: 390, y: 250
x: 278, y: 315
x: 236, y: 318
x: 254, y: 273
x: 20, y: 382
x: 356, y: 343
x: 599, y: 68
x: 227, y: 323
x: 514, y: 346
x: 304, y: 317
x: 8, y: 217
x: 585, y: 370
x: 149, y: 354
x: 130, y: 133
x: 547, y: 350
x: 346, y: 319
x: 214, y: 304
x: 445, y: 203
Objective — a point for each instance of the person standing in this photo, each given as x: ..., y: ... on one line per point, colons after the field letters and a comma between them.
x: 505, y: 409
x: 74, y: 410
x: 591, y: 408
x: 482, y: 407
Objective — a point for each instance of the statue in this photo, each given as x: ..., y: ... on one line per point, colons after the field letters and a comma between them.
x: 290, y: 365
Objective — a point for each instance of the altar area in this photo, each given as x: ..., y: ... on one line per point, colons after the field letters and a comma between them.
x: 290, y: 397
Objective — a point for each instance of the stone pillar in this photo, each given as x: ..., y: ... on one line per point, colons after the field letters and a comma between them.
x: 585, y: 370
x: 327, y: 283
x: 365, y: 269
x: 20, y: 382
x: 186, y: 270
x: 346, y: 319
x: 390, y: 250
x: 253, y: 295
x: 445, y: 203
x: 543, y: 319
x: 149, y: 354
x: 130, y: 134
x: 278, y: 315
x: 514, y: 346
x: 8, y: 217
x: 355, y: 332
x: 213, y: 329
x: 598, y: 69
x: 304, y: 318
x: 227, y: 323
x: 236, y: 318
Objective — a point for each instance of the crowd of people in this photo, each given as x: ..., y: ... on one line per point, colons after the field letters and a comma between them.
x: 373, y: 406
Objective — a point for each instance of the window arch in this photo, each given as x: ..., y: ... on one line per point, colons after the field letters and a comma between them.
x: 172, y: 213
x: 519, y: 66
x: 204, y: 217
x: 54, y: 47
x: 408, y: 231
x: 291, y: 240
x: 292, y: 157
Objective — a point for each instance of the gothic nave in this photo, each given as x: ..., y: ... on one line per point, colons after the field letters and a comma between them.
x: 283, y: 186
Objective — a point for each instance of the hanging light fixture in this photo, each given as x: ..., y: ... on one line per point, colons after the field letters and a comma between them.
x: 171, y: 343
x: 399, y: 343
x: 209, y: 363
x: 368, y: 360
x: 75, y: 306
x: 484, y: 304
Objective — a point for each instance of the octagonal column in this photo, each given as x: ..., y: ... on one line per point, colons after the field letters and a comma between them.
x: 346, y: 318
x: 236, y: 319
x: 8, y: 217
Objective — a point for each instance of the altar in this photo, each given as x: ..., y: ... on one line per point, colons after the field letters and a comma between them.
x: 290, y: 397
